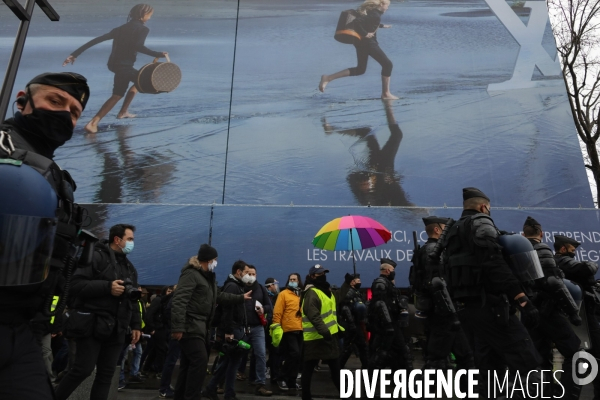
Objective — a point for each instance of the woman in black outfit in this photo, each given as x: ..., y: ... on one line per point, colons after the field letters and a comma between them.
x: 128, y: 40
x: 366, y: 25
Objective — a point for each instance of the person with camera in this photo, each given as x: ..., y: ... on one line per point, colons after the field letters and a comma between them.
x: 40, y: 224
x: 104, y: 304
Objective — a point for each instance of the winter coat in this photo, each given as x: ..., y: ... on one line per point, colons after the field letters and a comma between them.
x: 193, y: 303
x: 319, y: 349
x: 233, y: 316
x: 91, y: 288
x: 286, y: 307
x: 259, y: 293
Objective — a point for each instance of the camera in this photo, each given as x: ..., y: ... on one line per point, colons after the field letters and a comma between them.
x: 130, y: 292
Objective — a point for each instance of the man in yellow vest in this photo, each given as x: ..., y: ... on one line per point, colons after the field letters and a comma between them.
x: 320, y: 328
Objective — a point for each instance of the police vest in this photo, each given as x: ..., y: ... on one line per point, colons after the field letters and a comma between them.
x: 328, y: 314
x: 53, y: 307
x: 141, y: 314
x: 463, y: 261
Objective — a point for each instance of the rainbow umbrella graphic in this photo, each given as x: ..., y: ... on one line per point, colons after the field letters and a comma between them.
x: 352, y: 232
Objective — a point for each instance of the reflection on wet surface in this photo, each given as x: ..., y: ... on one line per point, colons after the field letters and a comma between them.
x: 373, y: 180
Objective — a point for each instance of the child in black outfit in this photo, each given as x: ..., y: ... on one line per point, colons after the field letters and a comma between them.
x: 128, y: 40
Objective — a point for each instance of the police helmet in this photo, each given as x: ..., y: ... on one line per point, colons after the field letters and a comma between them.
x: 28, y: 218
x: 522, y: 258
x: 575, y: 291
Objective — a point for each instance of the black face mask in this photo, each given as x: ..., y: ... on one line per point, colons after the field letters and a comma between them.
x: 44, y: 129
x: 357, y: 286
x: 572, y: 255
x: 321, y: 278
x: 392, y: 275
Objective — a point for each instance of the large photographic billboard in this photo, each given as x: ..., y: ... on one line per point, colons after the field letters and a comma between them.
x: 481, y: 103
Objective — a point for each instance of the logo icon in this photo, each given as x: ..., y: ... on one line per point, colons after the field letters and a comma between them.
x: 584, y: 368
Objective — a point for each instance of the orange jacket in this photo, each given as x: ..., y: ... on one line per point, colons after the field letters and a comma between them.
x: 286, y: 306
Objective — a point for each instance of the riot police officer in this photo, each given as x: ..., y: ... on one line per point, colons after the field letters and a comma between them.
x: 554, y: 301
x: 483, y: 288
x: 444, y: 334
x: 583, y: 274
x: 49, y: 108
x: 352, y: 316
x: 387, y: 311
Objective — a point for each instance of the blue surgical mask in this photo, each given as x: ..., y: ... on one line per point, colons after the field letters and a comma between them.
x: 293, y: 284
x: 128, y: 247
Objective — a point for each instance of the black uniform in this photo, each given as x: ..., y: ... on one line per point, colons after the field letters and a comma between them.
x: 387, y: 347
x: 111, y: 317
x: 443, y: 336
x: 483, y: 286
x: 582, y: 273
x: 352, y: 316
x: 22, y: 371
x: 554, y: 328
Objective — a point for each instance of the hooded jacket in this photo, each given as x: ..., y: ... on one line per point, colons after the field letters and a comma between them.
x: 91, y: 288
x: 193, y: 303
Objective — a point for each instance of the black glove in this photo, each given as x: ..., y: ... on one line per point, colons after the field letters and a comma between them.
x: 328, y: 337
x: 530, y: 316
x: 575, y: 319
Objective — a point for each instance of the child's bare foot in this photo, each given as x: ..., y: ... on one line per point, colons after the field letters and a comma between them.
x: 323, y: 83
x: 126, y: 115
x: 91, y: 127
x: 388, y: 96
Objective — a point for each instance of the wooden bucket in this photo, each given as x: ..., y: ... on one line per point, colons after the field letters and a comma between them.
x: 344, y: 32
x: 158, y: 77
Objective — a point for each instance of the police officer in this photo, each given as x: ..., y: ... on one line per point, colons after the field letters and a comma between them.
x: 49, y: 108
x: 483, y: 288
x: 352, y: 317
x: 583, y: 274
x: 554, y: 301
x: 444, y: 334
x: 387, y: 310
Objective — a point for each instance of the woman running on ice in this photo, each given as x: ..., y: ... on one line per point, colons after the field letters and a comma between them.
x: 128, y: 40
x: 365, y: 25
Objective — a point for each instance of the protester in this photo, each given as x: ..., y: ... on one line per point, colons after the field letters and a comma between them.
x: 232, y: 325
x: 274, y: 360
x: 155, y: 326
x: 255, y: 313
x: 285, y: 314
x: 192, y: 310
x: 320, y: 328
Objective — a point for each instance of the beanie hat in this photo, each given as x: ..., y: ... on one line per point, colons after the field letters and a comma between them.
x: 207, y: 253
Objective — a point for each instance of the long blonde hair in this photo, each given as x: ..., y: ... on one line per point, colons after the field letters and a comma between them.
x: 371, y: 5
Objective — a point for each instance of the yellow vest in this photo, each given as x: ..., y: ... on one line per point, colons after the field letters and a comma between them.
x: 53, y: 307
x: 141, y: 314
x: 328, y: 314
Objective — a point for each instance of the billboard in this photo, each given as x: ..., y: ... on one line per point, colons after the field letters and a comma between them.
x: 252, y: 134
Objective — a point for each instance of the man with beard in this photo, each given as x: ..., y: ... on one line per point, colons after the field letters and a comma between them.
x: 387, y: 347
x: 320, y: 328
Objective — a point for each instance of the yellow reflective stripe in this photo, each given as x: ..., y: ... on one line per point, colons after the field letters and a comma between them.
x: 53, y: 307
x: 141, y: 314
